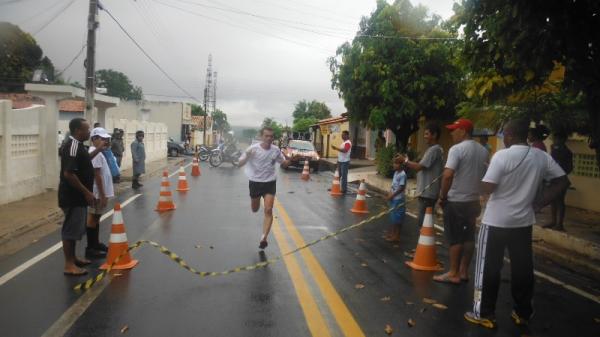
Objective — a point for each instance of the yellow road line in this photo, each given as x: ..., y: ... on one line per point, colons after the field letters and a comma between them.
x: 314, y: 317
x: 340, y: 311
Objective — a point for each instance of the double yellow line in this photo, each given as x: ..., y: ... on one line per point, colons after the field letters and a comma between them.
x: 313, y: 315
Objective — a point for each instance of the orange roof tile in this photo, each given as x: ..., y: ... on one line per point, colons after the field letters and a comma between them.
x: 71, y: 106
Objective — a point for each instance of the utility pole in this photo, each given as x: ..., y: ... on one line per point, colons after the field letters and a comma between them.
x: 208, y: 94
x: 90, y: 62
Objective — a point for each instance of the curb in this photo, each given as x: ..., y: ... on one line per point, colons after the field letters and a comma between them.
x: 568, y: 242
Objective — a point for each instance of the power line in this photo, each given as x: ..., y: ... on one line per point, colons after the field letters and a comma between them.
x: 73, y: 60
x: 61, y: 11
x: 147, y: 55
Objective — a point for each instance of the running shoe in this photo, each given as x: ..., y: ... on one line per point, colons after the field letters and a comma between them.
x: 520, y: 321
x: 263, y: 244
x: 486, y: 322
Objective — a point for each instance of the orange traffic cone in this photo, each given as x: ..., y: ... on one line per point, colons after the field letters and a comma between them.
x: 335, y: 184
x: 306, y: 171
x: 195, y: 168
x: 182, y: 185
x: 425, y: 254
x: 360, y: 205
x: 118, y: 244
x: 165, y: 200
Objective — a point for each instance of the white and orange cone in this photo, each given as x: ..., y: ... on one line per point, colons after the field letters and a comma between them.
x: 182, y: 185
x: 306, y: 171
x: 118, y: 244
x: 425, y: 255
x: 196, y: 167
x: 335, y: 185
x: 165, y: 200
x: 360, y: 205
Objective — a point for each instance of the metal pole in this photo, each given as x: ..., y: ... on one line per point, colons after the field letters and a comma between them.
x: 90, y: 62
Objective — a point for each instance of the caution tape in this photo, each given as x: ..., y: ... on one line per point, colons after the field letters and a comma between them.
x: 181, y: 262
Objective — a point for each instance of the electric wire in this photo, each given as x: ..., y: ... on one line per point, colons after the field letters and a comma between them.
x: 73, y: 60
x: 148, y: 55
x: 56, y: 15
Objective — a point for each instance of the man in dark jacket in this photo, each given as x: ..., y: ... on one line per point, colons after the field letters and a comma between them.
x: 138, y: 154
x: 117, y: 146
x: 564, y: 158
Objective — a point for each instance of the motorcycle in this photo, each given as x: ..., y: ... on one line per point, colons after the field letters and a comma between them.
x: 228, y: 154
x: 203, y: 152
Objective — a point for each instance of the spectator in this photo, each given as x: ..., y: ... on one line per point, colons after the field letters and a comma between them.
x: 344, y: 160
x: 117, y: 145
x: 459, y: 197
x: 483, y: 140
x: 564, y: 157
x: 379, y: 142
x: 537, y: 136
x: 396, y: 200
x: 138, y: 154
x: 97, y: 125
x: 112, y: 163
x: 428, y: 169
x: 75, y: 192
x: 507, y: 222
x: 103, y: 191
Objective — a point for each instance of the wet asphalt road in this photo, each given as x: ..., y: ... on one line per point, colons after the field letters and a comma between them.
x: 312, y: 293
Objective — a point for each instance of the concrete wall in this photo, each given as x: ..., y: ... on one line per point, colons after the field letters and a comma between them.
x: 169, y: 113
x: 155, y: 139
x: 21, y: 158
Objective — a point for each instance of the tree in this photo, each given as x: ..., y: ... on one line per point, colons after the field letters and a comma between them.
x: 512, y: 45
x: 197, y: 110
x: 249, y: 133
x: 220, y: 122
x: 389, y: 77
x: 20, y: 56
x: 271, y: 123
x: 308, y: 113
x: 118, y: 84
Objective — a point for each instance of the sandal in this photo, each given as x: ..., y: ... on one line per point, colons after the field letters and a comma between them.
x: 81, y: 272
x: 445, y: 278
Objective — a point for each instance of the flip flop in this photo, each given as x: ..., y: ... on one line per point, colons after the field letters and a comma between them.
x: 70, y: 273
x: 82, y: 263
x: 444, y: 278
x: 465, y: 280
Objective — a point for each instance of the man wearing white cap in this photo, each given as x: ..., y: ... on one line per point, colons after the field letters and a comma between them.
x: 103, y: 191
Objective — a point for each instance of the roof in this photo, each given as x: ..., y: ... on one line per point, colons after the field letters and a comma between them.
x: 339, y: 119
x: 21, y: 100
x: 70, y: 105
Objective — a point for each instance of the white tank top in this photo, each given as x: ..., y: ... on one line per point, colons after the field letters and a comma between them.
x: 344, y: 157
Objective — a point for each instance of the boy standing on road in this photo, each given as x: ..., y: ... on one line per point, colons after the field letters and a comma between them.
x: 103, y: 191
x: 344, y: 160
x: 75, y: 192
x: 397, y: 200
x: 459, y: 197
x: 261, y: 159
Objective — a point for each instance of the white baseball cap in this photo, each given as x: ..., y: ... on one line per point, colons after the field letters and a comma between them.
x: 100, y: 132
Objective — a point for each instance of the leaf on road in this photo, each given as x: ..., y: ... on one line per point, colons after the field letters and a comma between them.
x: 407, y: 254
x: 211, y: 247
x: 198, y: 246
x: 438, y: 243
x: 359, y: 286
x: 364, y: 264
x: 124, y: 328
x: 396, y: 246
x: 359, y: 240
x: 385, y: 299
x: 423, y: 310
x: 409, y: 303
x: 411, y: 322
x: 597, y: 320
x: 388, y: 329
x: 429, y: 300
x: 440, y: 306
x: 117, y: 275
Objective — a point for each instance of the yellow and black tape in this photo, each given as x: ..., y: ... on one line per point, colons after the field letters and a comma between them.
x: 177, y: 259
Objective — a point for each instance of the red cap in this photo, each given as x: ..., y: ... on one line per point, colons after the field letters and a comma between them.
x: 461, y: 123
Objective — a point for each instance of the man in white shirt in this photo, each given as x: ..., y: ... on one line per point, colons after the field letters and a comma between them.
x: 261, y: 159
x: 344, y: 160
x: 103, y: 190
x: 511, y: 181
x: 459, y: 197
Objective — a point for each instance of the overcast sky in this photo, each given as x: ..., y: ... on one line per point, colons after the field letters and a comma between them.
x: 269, y: 54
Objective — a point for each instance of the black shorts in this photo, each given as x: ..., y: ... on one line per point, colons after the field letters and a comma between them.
x: 459, y: 221
x: 258, y: 189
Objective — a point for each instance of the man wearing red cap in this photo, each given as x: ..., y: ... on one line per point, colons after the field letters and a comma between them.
x: 459, y: 197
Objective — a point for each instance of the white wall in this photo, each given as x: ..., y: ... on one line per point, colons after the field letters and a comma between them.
x: 168, y: 113
x: 155, y: 139
x: 21, y: 158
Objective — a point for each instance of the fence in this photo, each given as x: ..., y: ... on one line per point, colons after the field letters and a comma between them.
x: 155, y: 140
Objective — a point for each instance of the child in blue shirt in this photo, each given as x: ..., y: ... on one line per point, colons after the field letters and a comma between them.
x: 397, y: 200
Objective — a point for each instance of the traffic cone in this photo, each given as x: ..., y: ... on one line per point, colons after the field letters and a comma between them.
x: 360, y: 205
x: 165, y: 200
x: 195, y: 167
x: 306, y: 171
x: 335, y: 184
x: 118, y: 244
x: 425, y: 254
x: 182, y: 185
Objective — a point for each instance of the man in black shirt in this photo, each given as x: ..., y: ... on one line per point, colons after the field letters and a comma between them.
x: 75, y: 192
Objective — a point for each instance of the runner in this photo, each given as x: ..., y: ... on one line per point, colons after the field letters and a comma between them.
x: 261, y: 158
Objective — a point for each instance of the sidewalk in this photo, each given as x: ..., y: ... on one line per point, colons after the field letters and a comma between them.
x: 26, y: 221
x: 578, y: 248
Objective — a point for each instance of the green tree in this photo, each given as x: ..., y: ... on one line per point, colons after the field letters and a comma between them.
x: 197, y: 110
x: 220, y: 122
x: 118, y: 84
x: 20, y: 55
x: 303, y: 124
x: 389, y: 77
x: 308, y: 113
x: 277, y: 128
x: 512, y: 45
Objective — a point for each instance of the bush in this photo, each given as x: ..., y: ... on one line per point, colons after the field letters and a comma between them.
x: 383, y: 160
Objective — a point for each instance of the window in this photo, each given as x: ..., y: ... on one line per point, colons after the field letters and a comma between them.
x: 585, y: 165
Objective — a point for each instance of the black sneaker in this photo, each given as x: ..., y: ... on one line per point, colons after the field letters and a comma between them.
x: 102, y: 247
x: 263, y: 244
x: 520, y: 321
x: 486, y: 322
x: 94, y: 253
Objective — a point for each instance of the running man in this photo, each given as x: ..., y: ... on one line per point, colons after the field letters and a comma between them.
x: 261, y: 159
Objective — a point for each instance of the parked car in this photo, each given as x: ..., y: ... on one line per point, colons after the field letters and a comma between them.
x: 174, y: 149
x: 305, y: 150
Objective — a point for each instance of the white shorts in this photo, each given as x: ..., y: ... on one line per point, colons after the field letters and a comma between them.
x: 100, y: 211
